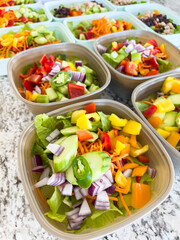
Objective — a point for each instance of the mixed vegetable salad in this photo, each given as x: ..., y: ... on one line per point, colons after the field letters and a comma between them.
x: 134, y: 58
x: 126, y: 2
x: 86, y: 8
x: 162, y: 110
x: 8, y: 3
x: 57, y: 79
x: 20, y: 16
x: 159, y: 22
x: 15, y: 42
x: 92, y: 170
x: 86, y: 30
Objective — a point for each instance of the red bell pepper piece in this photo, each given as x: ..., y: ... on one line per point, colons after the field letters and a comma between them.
x: 2, y: 11
x: 43, y: 60
x: 41, y: 70
x: 75, y: 90
x: 105, y: 138
x: 117, y: 24
x: 152, y: 42
x: 155, y: 51
x: 80, y: 28
x: 150, y: 111
x: 12, y: 3
x: 47, y: 64
x: 90, y: 28
x: 28, y: 85
x: 34, y: 78
x: 152, y: 62
x: 138, y: 178
x: 29, y: 73
x: 153, y: 72
x: 23, y: 19
x: 70, y: 13
x: 11, y: 23
x: 130, y: 68
x: 89, y: 35
x: 76, y: 13
x: 143, y: 159
x: 13, y: 49
x: 84, y: 134
x: 91, y: 108
x: 116, y: 132
x: 119, y: 46
x: 66, y: 68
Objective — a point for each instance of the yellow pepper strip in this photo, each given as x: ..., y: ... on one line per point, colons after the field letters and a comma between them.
x: 128, y: 186
x: 129, y: 165
x: 134, y: 152
x: 120, y: 179
x: 29, y: 95
x: 163, y: 133
x: 7, y: 41
x: 76, y: 115
x: 165, y: 106
x: 83, y: 122
x: 116, y: 121
x: 119, y: 147
x: 139, y: 171
x: 173, y: 139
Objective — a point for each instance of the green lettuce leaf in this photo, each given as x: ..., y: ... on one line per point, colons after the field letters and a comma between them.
x: 55, y: 201
x: 106, y: 124
x: 36, y: 149
x: 146, y: 179
x: 66, y: 120
x: 56, y: 216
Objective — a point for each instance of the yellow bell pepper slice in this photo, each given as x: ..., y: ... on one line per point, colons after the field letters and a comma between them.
x: 171, y: 129
x: 83, y: 122
x: 129, y: 165
x: 169, y: 83
x: 163, y: 133
x: 134, y: 152
x: 116, y: 121
x: 165, y: 106
x: 76, y: 115
x: 119, y: 147
x: 120, y: 179
x: 173, y: 139
x: 132, y: 127
x: 139, y: 171
x: 93, y: 115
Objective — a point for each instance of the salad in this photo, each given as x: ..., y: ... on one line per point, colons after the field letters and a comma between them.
x: 86, y: 8
x: 15, y: 42
x: 126, y: 2
x: 92, y: 169
x: 162, y: 110
x: 159, y: 22
x: 8, y: 3
x: 57, y: 79
x: 86, y: 30
x: 134, y: 58
x: 20, y: 16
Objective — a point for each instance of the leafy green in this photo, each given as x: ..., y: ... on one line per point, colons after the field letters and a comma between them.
x: 30, y: 40
x: 106, y: 124
x: 56, y: 216
x: 177, y: 30
x: 36, y: 149
x: 66, y: 120
x: 55, y: 201
x: 44, y: 126
x: 133, y: 38
x: 164, y: 65
x: 95, y: 126
x: 25, y: 69
x: 10, y: 33
x: 146, y: 179
x: 25, y: 27
x: 136, y: 161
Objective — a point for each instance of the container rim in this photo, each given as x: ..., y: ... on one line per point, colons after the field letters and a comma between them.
x: 106, y: 230
x: 19, y: 55
x: 130, y: 32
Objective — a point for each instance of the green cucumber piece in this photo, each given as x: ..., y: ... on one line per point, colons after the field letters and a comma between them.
x: 169, y: 120
x: 175, y: 98
x: 42, y: 99
x: 69, y: 130
x: 64, y: 160
x: 63, y: 90
x: 51, y: 93
x: 95, y: 136
x: 178, y: 120
x: 142, y: 106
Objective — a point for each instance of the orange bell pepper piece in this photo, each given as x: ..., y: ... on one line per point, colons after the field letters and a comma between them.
x: 129, y: 165
x: 141, y: 194
x: 139, y: 171
x: 155, y: 121
x: 133, y: 141
x: 176, y: 87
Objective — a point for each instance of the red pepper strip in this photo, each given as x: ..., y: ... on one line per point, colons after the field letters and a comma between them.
x: 117, y: 24
x: 23, y: 19
x: 11, y: 23
x: 91, y: 108
x: 84, y: 134
x: 138, y: 178
x: 43, y: 60
x: 75, y: 90
x: 143, y: 159
x: 116, y: 132
x: 35, y: 79
x: 28, y: 85
x: 149, y: 112
x: 155, y: 51
x: 130, y: 68
x: 153, y: 72
x: 106, y: 141
x: 2, y: 11
x: 28, y: 74
x: 152, y: 42
x: 153, y: 63
x: 66, y: 68
x: 41, y: 70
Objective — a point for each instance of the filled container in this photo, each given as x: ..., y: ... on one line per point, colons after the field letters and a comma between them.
x: 111, y: 15
x: 128, y: 83
x: 51, y: 5
x: 71, y: 50
x: 143, y: 91
x: 122, y: 7
x: 142, y: 8
x: 160, y: 160
x: 60, y: 31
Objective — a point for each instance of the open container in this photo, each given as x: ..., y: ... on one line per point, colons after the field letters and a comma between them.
x: 128, y: 83
x: 143, y: 91
x: 51, y: 5
x: 71, y: 50
x: 36, y: 1
x: 59, y: 29
x: 110, y: 15
x: 142, y: 8
x: 159, y: 159
x: 122, y: 7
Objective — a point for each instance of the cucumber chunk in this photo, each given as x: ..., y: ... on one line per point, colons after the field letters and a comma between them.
x: 69, y: 130
x: 175, y: 98
x: 169, y: 120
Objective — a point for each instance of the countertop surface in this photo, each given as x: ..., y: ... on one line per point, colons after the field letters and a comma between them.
x: 17, y: 221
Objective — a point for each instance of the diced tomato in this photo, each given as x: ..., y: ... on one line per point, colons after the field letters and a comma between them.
x: 91, y: 108
x: 43, y: 60
x: 70, y: 13
x: 130, y: 68
x: 2, y: 11
x: 11, y: 23
x: 153, y: 72
x: 75, y: 90
x: 155, y: 51
x: 13, y: 49
x: 138, y: 178
x: 153, y: 63
x: 34, y: 78
x: 143, y: 159
x: 80, y: 28
x: 90, y: 28
x: 119, y: 46
x: 28, y: 85
x: 89, y: 35
x: 23, y: 19
x: 152, y: 42
x: 66, y: 68
x: 117, y: 24
x: 12, y: 3
x: 84, y: 134
x: 105, y: 138
x: 150, y: 111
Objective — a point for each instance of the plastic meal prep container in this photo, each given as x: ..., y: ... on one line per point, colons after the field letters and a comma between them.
x: 60, y: 32
x: 142, y: 8
x: 111, y: 15
x: 122, y: 7
x: 128, y: 83
x: 143, y: 91
x: 71, y: 50
x: 55, y: 4
x: 159, y: 159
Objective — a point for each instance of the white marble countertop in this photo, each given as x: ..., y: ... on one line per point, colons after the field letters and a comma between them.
x: 17, y: 221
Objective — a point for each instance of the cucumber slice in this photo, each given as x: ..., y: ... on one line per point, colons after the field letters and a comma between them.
x: 64, y: 160
x: 59, y: 141
x: 95, y: 136
x: 142, y: 106
x: 169, y: 120
x: 69, y: 130
x: 178, y: 120
x: 99, y: 163
x: 175, y: 98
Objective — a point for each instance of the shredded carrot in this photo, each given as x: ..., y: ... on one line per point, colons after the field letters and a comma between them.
x: 129, y: 158
x: 124, y: 203
x: 113, y: 198
x: 101, y: 27
x: 146, y: 102
x: 88, y: 196
x: 41, y: 196
x: 118, y: 165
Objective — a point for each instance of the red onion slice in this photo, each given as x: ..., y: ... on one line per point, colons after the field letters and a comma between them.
x: 37, y: 160
x: 38, y: 169
x: 74, y: 211
x: 56, y: 179
x: 84, y: 191
x: 78, y: 76
x: 78, y: 63
x: 53, y: 135
x: 77, y: 193
x: 45, y: 173
x: 67, y: 189
x: 77, y: 204
x: 84, y: 209
x: 102, y: 201
x: 139, y: 47
x: 129, y: 48
x: 37, y: 89
x: 151, y: 172
x: 101, y: 49
x: 41, y: 183
x: 111, y: 189
x: 55, y: 149
x: 108, y: 174
x: 127, y: 173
